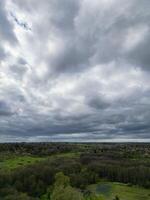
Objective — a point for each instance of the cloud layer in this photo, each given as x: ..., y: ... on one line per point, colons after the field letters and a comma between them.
x: 74, y: 70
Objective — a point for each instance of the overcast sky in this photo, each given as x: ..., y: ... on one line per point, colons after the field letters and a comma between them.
x: 74, y: 70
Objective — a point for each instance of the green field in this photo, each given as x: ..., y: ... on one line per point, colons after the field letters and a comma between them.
x: 20, y: 161
x: 108, y: 191
x: 12, y: 163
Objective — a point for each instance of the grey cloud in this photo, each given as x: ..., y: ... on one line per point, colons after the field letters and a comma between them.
x: 2, y: 53
x: 18, y: 70
x: 92, y: 35
x: 5, y: 109
x: 63, y: 14
x: 98, y: 103
x: 112, y: 35
x: 6, y: 32
x: 82, y: 73
x: 99, y: 36
x: 13, y: 95
x: 22, y: 61
x: 70, y: 60
x: 141, y: 55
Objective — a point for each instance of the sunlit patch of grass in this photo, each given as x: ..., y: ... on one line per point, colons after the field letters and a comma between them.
x: 9, y: 164
x: 109, y: 190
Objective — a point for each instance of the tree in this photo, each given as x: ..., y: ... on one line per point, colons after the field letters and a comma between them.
x: 62, y: 189
x: 116, y: 198
x: 18, y: 197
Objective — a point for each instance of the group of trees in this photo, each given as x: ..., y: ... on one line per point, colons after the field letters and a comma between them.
x: 133, y: 171
x: 46, y: 178
x: 62, y: 190
x: 37, y: 149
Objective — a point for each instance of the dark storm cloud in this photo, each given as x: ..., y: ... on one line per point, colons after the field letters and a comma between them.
x: 71, y: 59
x: 98, y: 103
x: 80, y: 74
x: 141, y: 55
x: 5, y: 110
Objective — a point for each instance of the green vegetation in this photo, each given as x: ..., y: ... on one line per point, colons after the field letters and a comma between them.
x: 63, y: 190
x: 20, y: 161
x: 13, y: 163
x: 66, y: 171
x: 109, y: 191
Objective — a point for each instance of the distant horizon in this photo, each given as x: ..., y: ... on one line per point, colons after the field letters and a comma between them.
x: 83, y: 141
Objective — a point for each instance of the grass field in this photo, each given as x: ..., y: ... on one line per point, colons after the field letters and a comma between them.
x: 9, y: 164
x: 108, y: 191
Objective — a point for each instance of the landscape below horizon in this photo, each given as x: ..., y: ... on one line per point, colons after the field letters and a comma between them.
x: 74, y: 171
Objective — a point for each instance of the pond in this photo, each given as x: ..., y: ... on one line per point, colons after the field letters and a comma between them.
x: 103, y: 188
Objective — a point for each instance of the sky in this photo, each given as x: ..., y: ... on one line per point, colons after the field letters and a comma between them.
x: 75, y: 70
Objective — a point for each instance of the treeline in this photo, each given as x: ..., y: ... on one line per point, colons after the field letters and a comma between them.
x: 131, y: 150
x: 39, y: 149
x: 131, y: 171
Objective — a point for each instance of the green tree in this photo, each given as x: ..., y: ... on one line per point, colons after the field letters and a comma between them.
x: 17, y: 197
x: 62, y: 189
x: 93, y: 196
x: 116, y: 198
